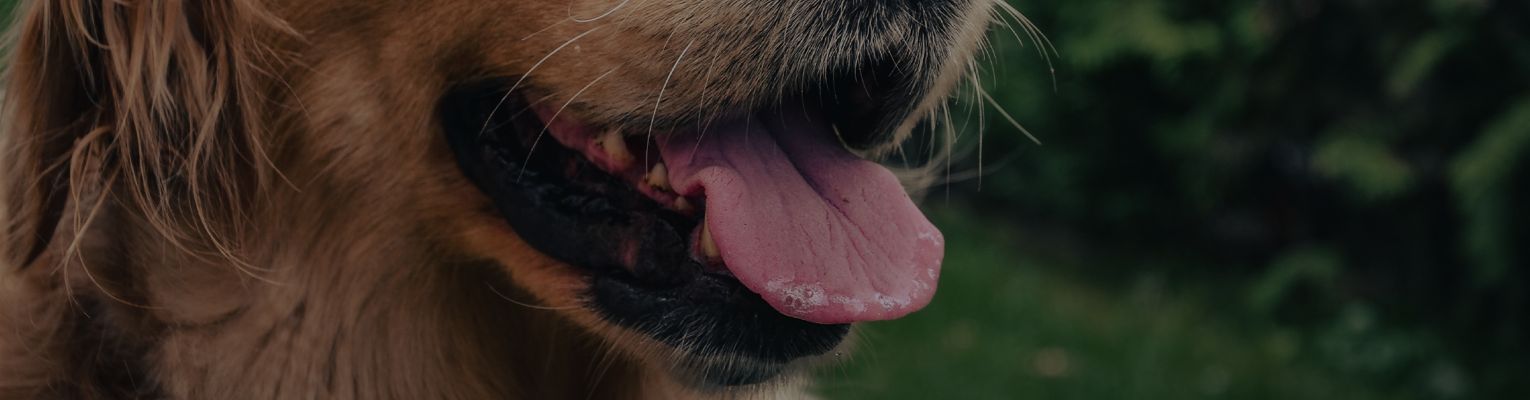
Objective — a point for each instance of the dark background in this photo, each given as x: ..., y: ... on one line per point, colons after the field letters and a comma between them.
x: 1285, y: 199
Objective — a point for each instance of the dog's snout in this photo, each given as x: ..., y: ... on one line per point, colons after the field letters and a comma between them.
x: 917, y: 6
x: 924, y: 2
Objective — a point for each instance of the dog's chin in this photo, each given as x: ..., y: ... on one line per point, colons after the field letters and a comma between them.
x: 718, y: 333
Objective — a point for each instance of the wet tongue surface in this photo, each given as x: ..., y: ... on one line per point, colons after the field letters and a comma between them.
x: 819, y: 233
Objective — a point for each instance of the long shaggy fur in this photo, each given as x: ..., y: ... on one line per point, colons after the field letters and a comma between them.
x: 142, y: 105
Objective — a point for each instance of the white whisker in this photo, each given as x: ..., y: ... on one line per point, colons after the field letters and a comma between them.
x: 962, y: 176
x: 1012, y: 121
x: 522, y: 79
x: 608, y: 13
x: 523, y: 304
x: 654, y: 119
x: 950, y: 136
x: 1043, y: 44
x: 977, y: 85
x: 554, y: 117
x: 539, y: 31
x: 704, y: 112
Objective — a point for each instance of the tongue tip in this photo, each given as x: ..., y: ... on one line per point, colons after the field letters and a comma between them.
x: 853, y: 313
x: 819, y: 233
x: 810, y: 302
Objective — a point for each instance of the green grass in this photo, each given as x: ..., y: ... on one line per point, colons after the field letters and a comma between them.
x: 1007, y: 324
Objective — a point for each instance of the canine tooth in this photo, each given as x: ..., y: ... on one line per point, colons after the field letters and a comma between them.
x: 616, y: 147
x: 683, y: 205
x: 708, y: 246
x: 659, y: 177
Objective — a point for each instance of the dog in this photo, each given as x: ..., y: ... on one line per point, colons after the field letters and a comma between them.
x: 228, y: 199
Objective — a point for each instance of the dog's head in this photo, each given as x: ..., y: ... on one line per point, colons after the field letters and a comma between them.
x: 685, y: 178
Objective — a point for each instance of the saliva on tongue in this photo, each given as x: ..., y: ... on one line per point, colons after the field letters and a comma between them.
x: 821, y: 234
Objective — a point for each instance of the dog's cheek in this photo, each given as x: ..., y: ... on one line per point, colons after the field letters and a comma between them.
x: 558, y: 286
x: 554, y: 283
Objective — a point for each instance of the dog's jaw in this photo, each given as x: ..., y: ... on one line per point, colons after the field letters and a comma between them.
x: 378, y: 269
x: 593, y: 84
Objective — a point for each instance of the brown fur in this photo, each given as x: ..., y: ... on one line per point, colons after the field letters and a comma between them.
x: 244, y: 199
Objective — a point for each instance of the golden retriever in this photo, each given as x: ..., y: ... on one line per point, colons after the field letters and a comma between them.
x: 227, y: 199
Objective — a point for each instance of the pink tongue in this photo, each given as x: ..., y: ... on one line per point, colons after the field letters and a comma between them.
x: 821, y: 234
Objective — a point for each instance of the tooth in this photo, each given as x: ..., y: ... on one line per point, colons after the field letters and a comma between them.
x: 708, y: 246
x: 659, y: 177
x: 683, y: 205
x: 616, y: 148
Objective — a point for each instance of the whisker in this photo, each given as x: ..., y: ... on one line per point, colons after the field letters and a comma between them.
x: 618, y: 6
x: 962, y: 176
x: 522, y: 79
x: 999, y: 17
x: 1012, y: 121
x: 554, y: 117
x: 655, y: 117
x: 531, y: 105
x: 977, y: 83
x: 539, y: 31
x: 704, y: 112
x: 607, y: 360
x: 523, y: 304
x: 1042, y: 42
x: 950, y: 136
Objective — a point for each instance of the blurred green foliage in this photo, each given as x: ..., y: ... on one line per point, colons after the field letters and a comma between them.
x: 1350, y: 174
x: 1008, y: 323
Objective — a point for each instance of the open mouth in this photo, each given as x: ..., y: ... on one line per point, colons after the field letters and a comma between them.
x: 746, y: 243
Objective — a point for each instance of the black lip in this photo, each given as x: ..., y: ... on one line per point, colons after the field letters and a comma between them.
x: 869, y: 101
x: 570, y: 210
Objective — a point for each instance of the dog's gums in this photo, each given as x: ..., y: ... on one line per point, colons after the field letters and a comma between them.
x: 640, y: 255
x: 837, y: 240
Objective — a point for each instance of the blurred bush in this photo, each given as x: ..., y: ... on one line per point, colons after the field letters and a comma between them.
x: 1344, y: 156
